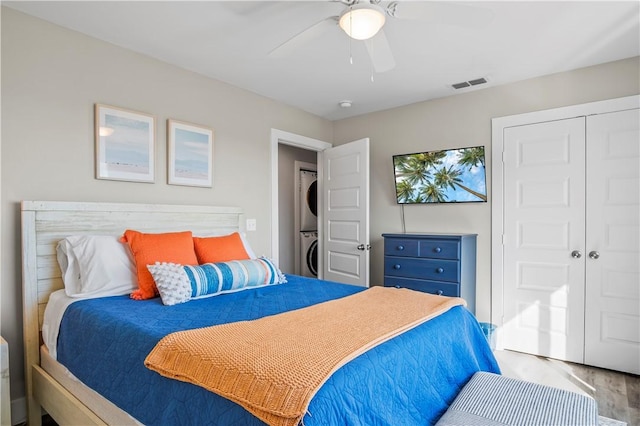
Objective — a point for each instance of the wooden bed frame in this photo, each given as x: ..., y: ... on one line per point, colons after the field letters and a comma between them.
x: 44, y: 223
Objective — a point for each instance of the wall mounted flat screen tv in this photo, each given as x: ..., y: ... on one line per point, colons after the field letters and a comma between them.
x: 447, y: 176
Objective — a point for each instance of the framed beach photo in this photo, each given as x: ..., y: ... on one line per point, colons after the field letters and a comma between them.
x: 190, y: 154
x: 125, y: 144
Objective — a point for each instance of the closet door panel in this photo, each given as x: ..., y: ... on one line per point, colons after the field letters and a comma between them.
x: 612, y: 324
x: 544, y: 193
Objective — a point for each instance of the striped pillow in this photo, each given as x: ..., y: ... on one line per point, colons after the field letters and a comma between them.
x: 181, y: 283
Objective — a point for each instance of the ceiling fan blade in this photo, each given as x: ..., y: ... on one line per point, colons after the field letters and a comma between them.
x: 302, y: 38
x: 380, y: 52
x: 450, y: 13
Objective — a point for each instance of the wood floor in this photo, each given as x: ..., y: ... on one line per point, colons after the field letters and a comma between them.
x: 617, y: 394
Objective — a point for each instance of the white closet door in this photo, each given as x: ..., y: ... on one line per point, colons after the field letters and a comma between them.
x: 544, y: 202
x: 612, y: 328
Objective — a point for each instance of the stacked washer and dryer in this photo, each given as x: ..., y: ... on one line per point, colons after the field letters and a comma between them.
x: 308, y: 223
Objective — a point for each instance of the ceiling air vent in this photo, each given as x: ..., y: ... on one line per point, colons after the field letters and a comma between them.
x: 469, y: 83
x: 460, y: 85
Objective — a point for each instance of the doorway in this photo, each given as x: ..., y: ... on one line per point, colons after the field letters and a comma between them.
x: 343, y: 207
x: 286, y: 149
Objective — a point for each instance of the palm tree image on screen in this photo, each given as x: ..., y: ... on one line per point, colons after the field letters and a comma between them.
x: 446, y: 176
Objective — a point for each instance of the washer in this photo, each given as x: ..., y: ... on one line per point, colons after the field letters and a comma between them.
x: 309, y: 254
x: 308, y: 200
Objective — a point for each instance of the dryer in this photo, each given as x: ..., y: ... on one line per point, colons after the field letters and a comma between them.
x: 309, y: 254
x: 308, y: 200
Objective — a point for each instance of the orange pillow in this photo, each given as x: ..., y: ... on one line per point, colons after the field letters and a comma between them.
x: 147, y: 249
x: 220, y: 249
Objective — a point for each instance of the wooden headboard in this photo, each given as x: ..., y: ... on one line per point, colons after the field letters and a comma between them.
x: 44, y: 223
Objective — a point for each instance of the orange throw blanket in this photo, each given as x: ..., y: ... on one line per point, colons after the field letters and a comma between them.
x: 274, y: 365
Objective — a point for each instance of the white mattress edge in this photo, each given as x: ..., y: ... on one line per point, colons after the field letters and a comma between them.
x: 53, y: 312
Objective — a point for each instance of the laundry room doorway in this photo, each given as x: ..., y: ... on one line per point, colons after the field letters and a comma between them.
x: 297, y: 157
x: 342, y: 243
x: 295, y: 163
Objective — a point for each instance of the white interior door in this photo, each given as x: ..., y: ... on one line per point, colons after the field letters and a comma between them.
x: 544, y: 202
x: 612, y: 327
x: 345, y: 204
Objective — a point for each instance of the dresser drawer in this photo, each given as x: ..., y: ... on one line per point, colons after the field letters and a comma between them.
x: 439, y: 249
x: 431, y: 248
x: 401, y: 247
x: 433, y: 287
x: 429, y: 269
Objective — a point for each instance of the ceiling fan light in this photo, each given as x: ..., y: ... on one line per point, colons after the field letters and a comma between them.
x: 362, y: 21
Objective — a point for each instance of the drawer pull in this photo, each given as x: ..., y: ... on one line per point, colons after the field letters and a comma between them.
x: 440, y: 270
x: 396, y: 266
x: 440, y: 292
x: 437, y: 249
x: 400, y: 248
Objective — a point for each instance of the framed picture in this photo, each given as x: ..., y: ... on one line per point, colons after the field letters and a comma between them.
x: 125, y: 144
x: 190, y: 154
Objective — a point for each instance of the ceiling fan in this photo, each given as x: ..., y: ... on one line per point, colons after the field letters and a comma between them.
x: 364, y: 20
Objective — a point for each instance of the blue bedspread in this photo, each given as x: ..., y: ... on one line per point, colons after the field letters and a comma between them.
x: 408, y: 380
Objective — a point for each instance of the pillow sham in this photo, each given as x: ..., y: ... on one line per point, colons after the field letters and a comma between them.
x: 95, y: 266
x: 182, y: 283
x: 222, y: 249
x: 174, y: 247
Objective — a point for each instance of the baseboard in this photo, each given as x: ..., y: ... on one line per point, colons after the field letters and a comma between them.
x: 18, y: 411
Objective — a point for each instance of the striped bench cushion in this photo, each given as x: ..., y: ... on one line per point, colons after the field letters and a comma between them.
x: 490, y: 400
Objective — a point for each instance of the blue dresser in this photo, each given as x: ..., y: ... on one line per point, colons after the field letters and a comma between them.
x: 442, y: 264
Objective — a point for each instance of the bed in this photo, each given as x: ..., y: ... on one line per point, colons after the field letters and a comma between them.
x: 411, y: 378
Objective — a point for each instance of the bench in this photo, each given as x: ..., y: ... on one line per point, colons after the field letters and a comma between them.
x: 493, y: 400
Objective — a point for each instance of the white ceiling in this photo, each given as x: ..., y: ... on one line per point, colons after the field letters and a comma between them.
x: 230, y: 41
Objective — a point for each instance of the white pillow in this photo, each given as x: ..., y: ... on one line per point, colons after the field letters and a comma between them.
x: 69, y: 267
x: 96, y: 266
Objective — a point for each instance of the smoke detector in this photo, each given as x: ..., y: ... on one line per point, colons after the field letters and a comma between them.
x: 345, y: 104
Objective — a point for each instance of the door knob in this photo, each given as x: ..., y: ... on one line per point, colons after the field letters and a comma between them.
x: 594, y: 255
x: 360, y: 247
x: 576, y: 254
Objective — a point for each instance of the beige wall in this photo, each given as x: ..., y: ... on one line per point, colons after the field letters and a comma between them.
x: 459, y: 121
x: 51, y: 79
